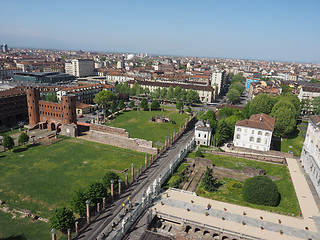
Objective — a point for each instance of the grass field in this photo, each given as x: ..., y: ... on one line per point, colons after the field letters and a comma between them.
x: 138, y: 125
x: 289, y: 202
x: 41, y: 178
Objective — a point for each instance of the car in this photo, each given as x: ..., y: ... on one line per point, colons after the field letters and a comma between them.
x: 229, y: 145
x: 88, y: 121
x: 81, y: 116
x: 94, y: 113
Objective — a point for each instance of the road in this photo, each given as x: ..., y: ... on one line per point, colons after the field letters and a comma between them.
x: 136, y: 190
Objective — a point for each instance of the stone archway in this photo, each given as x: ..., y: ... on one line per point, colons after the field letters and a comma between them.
x: 215, y: 236
x: 188, y: 228
x: 52, y: 126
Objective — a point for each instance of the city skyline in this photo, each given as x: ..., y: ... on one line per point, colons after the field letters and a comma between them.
x: 248, y: 30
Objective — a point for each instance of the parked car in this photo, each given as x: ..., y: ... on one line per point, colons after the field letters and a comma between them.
x: 81, y: 116
x: 88, y: 121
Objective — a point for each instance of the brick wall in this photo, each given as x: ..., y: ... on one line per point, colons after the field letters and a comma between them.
x: 111, y: 130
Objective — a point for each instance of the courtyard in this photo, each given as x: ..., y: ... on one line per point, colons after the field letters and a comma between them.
x: 39, y: 178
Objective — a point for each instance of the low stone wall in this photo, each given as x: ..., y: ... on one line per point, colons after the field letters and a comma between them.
x: 121, y: 140
x: 111, y: 130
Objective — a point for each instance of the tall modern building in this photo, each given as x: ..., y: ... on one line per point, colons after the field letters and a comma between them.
x: 80, y: 67
x: 218, y: 80
x: 4, y: 48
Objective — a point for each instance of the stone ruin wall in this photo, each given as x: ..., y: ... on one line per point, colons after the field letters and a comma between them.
x: 119, y: 137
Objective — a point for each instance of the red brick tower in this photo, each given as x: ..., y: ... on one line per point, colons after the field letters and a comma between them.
x: 68, y: 104
x: 33, y: 96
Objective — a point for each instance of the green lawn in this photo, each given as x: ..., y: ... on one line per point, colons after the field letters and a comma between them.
x: 295, y: 143
x: 175, y: 176
x: 289, y: 202
x: 44, y: 177
x: 138, y: 125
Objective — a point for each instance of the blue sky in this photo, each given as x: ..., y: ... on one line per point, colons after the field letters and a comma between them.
x: 250, y: 29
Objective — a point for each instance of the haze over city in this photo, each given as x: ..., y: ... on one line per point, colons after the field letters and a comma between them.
x: 268, y: 30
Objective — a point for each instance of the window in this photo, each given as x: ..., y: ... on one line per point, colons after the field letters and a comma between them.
x: 238, y: 129
x: 252, y: 131
x: 267, y: 134
x: 238, y: 136
x: 258, y: 140
x: 199, y: 135
x: 205, y: 135
x: 259, y: 133
x: 266, y: 141
x: 251, y: 139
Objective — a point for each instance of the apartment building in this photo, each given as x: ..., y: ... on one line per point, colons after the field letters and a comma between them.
x: 80, y: 67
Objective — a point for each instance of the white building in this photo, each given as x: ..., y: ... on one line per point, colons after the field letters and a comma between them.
x: 202, y: 134
x: 254, y: 133
x: 310, y: 155
x: 218, y: 79
x: 80, y: 67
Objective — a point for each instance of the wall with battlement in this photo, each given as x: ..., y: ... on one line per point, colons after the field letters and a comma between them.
x: 120, y: 138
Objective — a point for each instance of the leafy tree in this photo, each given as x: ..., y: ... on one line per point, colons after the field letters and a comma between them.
x: 285, y: 121
x: 294, y: 100
x: 285, y: 89
x: 231, y: 122
x: 106, y: 180
x: 144, y: 104
x: 170, y: 94
x: 316, y: 105
x: 305, y: 105
x: 157, y: 93
x: 236, y: 78
x: 61, y: 218
x: 261, y: 190
x: 155, y: 105
x: 237, y: 86
x: 211, y: 116
x: 233, y: 96
x: 96, y: 192
x: 179, y: 106
x: 78, y: 202
x: 223, y: 133
x: 146, y: 91
x: 123, y: 88
x: 225, y: 112
x: 192, y: 96
x: 262, y: 103
x: 51, y: 97
x: 131, y: 104
x: 8, y: 142
x: 23, y: 138
x: 176, y: 93
x: 284, y: 103
x: 104, y: 98
x: 113, y: 107
x: 246, y: 111
x: 121, y: 104
x: 208, y: 181
x: 313, y: 80
x: 163, y: 93
x: 183, y: 95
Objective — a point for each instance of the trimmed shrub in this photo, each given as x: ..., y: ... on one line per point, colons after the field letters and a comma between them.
x: 261, y: 190
x: 199, y: 153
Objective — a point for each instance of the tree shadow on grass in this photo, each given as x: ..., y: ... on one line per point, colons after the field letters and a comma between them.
x: 33, y: 145
x: 21, y: 149
x: 15, y: 237
x: 293, y: 134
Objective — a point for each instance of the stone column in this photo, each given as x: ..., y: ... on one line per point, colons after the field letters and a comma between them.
x: 137, y: 173
x: 180, y: 128
x: 53, y: 234
x: 132, y: 172
x: 104, y: 203
x: 111, y: 189
x: 146, y: 161
x: 119, y: 182
x: 88, y: 211
x: 98, y: 207
x: 174, y: 134
x: 126, y: 180
x: 165, y: 143
x: 76, y: 227
x: 140, y: 169
x: 69, y: 234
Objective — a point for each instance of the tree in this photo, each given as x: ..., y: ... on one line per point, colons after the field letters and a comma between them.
x: 157, y: 93
x: 285, y: 103
x: 61, y: 218
x: 123, y: 88
x: 233, y: 96
x: 262, y: 103
x: 237, y: 86
x: 261, y: 190
x: 183, y: 95
x: 163, y: 93
x: 285, y: 122
x: 23, y: 138
x: 78, y: 202
x: 199, y: 153
x: 316, y: 105
x: 246, y: 111
x: 305, y: 105
x: 208, y: 181
x: 104, y: 98
x: 155, y: 105
x: 285, y: 89
x: 192, y: 96
x: 131, y: 104
x: 236, y: 78
x: 135, y: 90
x: 96, y: 192
x: 8, y: 142
x: 179, y: 106
x: 144, y: 104
x: 106, y: 180
x: 211, y: 116
x: 121, y: 104
x: 51, y: 97
x: 170, y: 93
x: 113, y: 107
x: 223, y: 133
x: 176, y: 93
x: 313, y: 80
